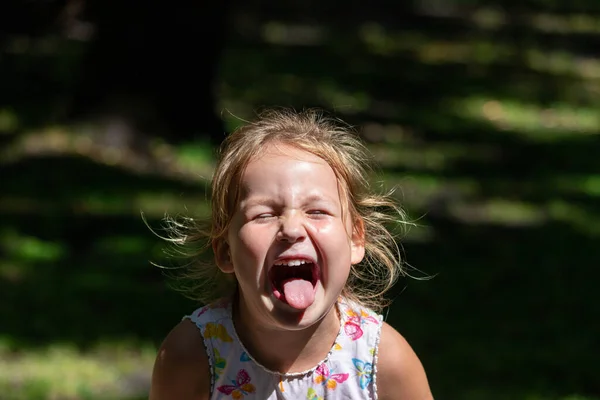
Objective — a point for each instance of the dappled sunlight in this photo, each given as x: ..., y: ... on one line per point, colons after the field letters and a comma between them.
x: 498, y: 211
x: 191, y: 162
x: 292, y: 34
x: 25, y: 253
x: 9, y: 121
x: 566, y: 23
x: 61, y: 371
x: 22, y: 247
x: 583, y: 185
x: 151, y: 204
x: 581, y: 219
x: 437, y: 156
x: 533, y: 121
x: 480, y: 50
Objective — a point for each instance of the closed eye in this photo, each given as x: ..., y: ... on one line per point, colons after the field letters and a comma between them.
x: 264, y: 216
x: 318, y: 213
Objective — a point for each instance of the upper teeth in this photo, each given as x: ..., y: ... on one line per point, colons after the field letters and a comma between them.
x: 291, y: 263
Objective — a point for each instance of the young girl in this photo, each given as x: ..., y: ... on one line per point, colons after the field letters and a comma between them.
x: 302, y: 260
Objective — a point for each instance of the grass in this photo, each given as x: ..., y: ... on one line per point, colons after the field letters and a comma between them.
x: 60, y: 371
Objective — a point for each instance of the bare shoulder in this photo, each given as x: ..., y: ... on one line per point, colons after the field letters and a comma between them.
x: 181, y: 370
x: 400, y: 374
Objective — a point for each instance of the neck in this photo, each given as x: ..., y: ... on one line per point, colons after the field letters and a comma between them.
x: 286, y: 351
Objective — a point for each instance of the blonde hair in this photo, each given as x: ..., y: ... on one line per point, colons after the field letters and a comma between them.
x: 376, y: 215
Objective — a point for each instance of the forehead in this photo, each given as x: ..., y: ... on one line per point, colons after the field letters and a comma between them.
x: 285, y: 167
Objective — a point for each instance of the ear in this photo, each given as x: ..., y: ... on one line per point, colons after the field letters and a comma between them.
x: 222, y: 255
x: 358, y: 241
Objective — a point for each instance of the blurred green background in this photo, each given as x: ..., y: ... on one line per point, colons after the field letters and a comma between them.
x: 484, y: 114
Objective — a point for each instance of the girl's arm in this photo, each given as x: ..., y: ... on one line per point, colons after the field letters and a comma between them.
x: 400, y: 374
x: 181, y: 370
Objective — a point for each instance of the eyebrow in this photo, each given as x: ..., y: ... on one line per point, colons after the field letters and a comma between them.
x: 257, y: 201
x: 316, y: 198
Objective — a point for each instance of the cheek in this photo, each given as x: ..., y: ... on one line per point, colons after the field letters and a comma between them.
x: 335, y: 246
x: 251, y: 241
x: 326, y: 226
x: 332, y: 235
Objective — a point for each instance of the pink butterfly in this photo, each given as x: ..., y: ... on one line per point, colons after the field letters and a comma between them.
x: 353, y: 330
x: 353, y: 324
x: 328, y: 379
x: 239, y: 387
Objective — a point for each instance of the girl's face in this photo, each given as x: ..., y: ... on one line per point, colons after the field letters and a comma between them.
x: 289, y: 245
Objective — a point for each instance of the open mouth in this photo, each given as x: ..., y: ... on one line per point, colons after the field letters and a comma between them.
x: 293, y: 282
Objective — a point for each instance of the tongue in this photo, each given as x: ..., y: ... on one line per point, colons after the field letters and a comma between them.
x: 299, y: 293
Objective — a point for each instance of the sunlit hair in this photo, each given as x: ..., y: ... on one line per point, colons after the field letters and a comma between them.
x: 376, y: 214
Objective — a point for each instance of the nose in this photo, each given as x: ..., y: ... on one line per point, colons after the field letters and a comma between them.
x: 291, y: 229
